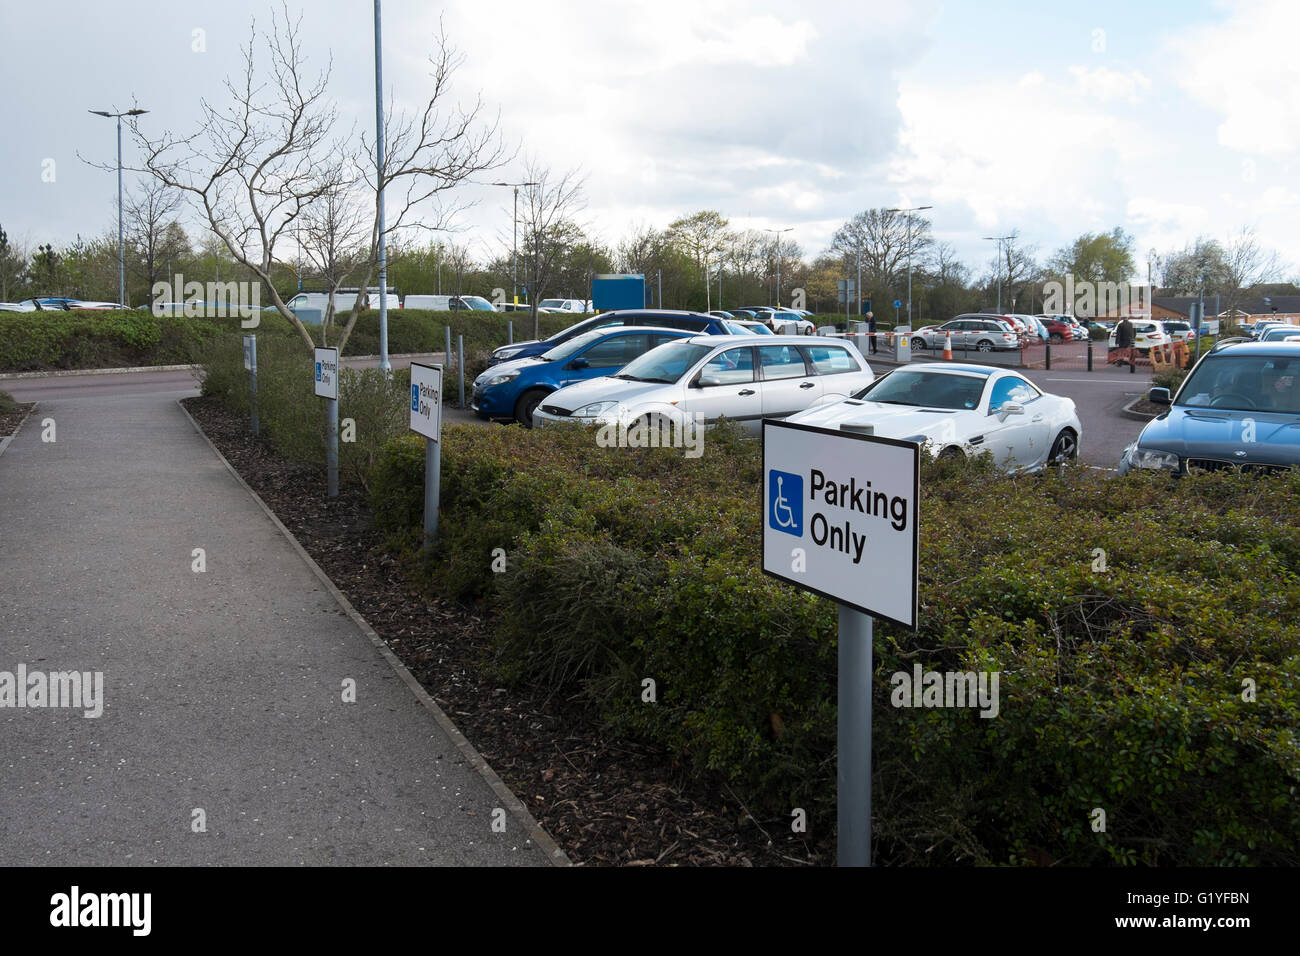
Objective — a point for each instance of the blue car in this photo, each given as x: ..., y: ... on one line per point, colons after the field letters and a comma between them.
x: 1238, y: 409
x: 511, y: 390
x: 695, y: 322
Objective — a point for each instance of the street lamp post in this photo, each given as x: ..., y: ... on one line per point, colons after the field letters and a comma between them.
x: 382, y: 245
x: 121, y: 255
x: 778, y: 232
x: 514, y: 241
x: 999, y: 240
x: 908, y: 213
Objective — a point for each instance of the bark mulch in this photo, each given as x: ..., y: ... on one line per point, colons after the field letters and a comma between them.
x: 605, y: 800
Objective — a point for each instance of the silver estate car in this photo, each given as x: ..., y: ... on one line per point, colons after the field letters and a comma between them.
x: 744, y: 378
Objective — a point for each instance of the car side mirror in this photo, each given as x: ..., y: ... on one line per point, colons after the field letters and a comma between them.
x: 579, y: 363
x: 705, y: 381
x: 1010, y: 408
x: 1159, y: 396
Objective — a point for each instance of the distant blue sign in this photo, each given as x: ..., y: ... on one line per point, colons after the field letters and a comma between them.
x: 898, y: 303
x: 618, y: 292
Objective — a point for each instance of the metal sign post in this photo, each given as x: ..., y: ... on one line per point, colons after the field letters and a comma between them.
x: 327, y: 386
x: 250, y: 364
x: 831, y: 499
x: 426, y: 420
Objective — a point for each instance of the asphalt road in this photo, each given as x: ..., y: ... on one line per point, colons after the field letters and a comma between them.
x: 225, y: 734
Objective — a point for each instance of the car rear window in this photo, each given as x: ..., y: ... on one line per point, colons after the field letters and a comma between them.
x: 830, y: 359
x: 781, y: 361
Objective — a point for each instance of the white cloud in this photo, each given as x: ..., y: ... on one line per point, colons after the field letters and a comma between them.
x: 1244, y: 68
x: 1103, y: 84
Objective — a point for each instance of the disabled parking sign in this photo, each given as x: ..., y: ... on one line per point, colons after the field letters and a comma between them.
x: 840, y: 516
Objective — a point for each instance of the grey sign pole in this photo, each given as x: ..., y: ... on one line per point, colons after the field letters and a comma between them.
x: 332, y: 448
x: 460, y: 366
x: 446, y: 349
x: 252, y: 379
x: 432, y: 481
x: 510, y: 332
x: 853, y: 772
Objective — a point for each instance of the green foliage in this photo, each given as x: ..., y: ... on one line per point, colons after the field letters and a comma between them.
x: 36, y: 341
x: 1120, y: 689
x: 7, y: 402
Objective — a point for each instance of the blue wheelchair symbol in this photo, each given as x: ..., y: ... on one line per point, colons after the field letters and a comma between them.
x: 415, y: 398
x: 785, y: 492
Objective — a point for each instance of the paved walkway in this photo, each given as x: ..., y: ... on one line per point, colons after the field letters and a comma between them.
x: 222, y: 690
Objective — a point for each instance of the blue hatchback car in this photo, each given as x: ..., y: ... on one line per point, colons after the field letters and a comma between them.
x: 694, y: 322
x: 513, y: 389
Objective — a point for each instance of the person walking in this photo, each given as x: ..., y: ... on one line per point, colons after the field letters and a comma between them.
x: 1124, y: 339
x: 871, y: 328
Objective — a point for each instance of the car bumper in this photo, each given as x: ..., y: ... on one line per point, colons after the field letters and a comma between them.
x: 492, y: 403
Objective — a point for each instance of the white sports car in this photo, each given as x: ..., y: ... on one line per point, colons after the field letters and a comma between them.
x: 956, y: 410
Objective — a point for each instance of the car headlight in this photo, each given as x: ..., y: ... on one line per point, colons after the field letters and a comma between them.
x: 507, y: 353
x: 594, y: 409
x: 1146, y: 458
x: 488, y: 381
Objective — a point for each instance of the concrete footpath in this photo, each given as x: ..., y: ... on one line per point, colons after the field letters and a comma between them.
x: 224, y: 736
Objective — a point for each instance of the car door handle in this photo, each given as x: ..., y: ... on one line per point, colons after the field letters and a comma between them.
x: 746, y: 391
x: 1038, y: 418
x: 808, y: 385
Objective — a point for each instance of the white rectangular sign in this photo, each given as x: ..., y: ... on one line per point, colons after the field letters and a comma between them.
x: 839, y: 516
x: 327, y: 373
x: 426, y: 400
x: 248, y: 353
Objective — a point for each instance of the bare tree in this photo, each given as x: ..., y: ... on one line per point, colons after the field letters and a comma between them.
x: 252, y: 167
x: 335, y: 239
x: 1246, y: 265
x: 426, y: 155
x: 547, y: 211
x: 150, y: 212
x: 883, y: 240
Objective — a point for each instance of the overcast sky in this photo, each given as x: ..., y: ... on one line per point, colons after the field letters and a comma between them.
x: 1169, y: 119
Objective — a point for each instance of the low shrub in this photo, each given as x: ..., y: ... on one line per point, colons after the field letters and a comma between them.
x: 1120, y: 688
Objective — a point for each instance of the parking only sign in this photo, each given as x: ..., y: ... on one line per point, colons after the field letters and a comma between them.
x: 250, y: 360
x: 840, y: 516
x: 327, y: 373
x: 426, y: 400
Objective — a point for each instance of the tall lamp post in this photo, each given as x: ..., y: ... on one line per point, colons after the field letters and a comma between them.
x: 381, y: 250
x: 514, y: 241
x: 999, y: 240
x: 908, y: 213
x: 777, y: 250
x: 121, y: 255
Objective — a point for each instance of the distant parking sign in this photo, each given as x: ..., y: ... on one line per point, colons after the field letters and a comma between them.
x: 426, y: 400
x: 327, y: 373
x: 840, y: 516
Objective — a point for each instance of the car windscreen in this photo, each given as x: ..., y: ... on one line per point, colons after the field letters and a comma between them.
x: 575, y: 344
x: 667, y: 363
x: 551, y: 304
x: 1248, y: 383
x: 928, y: 389
x: 477, y: 303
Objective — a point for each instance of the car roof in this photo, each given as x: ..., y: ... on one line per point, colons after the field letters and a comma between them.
x: 748, y: 339
x: 1289, y: 349
x: 676, y: 313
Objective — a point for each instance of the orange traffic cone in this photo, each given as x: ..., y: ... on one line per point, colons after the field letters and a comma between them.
x: 947, y: 347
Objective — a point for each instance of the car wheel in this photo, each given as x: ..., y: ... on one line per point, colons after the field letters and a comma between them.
x: 527, y: 403
x: 1065, y: 448
x: 918, y: 345
x: 984, y: 345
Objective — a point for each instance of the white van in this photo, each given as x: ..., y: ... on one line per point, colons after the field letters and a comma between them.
x: 566, y: 305
x: 343, y: 301
x: 448, y: 303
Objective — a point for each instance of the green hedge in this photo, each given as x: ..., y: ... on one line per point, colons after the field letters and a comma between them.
x: 1120, y: 690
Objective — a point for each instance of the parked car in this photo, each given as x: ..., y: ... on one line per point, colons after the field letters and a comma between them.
x: 514, y: 389
x: 11, y: 307
x: 46, y: 304
x: 1147, y: 335
x: 1178, y: 331
x: 1239, y: 408
x: 445, y: 303
x: 962, y: 410
x: 1059, y: 330
x: 566, y: 305
x: 95, y: 306
x: 1033, y: 326
x: 663, y: 318
x: 1280, y: 333
x: 981, y: 333
x: 753, y: 325
x: 720, y: 314
x: 788, y: 322
x: 733, y: 377
x: 1262, y: 328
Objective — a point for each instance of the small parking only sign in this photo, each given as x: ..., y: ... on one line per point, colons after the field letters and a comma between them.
x: 840, y: 516
x: 327, y: 373
x: 426, y: 400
